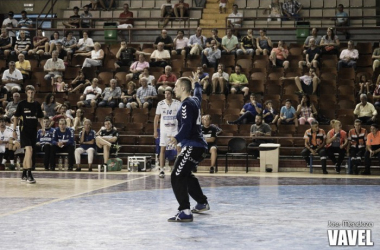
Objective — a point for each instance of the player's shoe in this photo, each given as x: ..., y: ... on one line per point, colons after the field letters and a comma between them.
x: 212, y: 170
x: 181, y: 216
x: 30, y: 178
x: 24, y: 176
x: 200, y: 208
x: 161, y: 174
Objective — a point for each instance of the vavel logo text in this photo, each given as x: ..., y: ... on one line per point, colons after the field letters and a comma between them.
x: 352, y: 236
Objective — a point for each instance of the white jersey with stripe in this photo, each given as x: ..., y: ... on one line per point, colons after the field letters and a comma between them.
x: 168, y: 120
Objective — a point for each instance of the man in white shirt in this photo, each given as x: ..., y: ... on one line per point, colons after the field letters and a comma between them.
x: 91, y: 93
x: 365, y: 111
x: 6, y: 134
x: 166, y: 113
x: 10, y: 23
x: 219, y: 79
x: 12, y: 77
x: 348, y: 57
x: 235, y: 19
x: 54, y: 66
x: 160, y: 56
x: 197, y: 42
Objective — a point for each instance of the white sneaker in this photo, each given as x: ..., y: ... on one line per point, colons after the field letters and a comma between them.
x: 161, y: 174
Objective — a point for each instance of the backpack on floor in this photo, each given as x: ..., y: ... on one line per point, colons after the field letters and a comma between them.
x: 114, y: 164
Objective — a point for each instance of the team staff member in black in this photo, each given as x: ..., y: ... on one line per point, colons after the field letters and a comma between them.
x: 193, y: 148
x: 209, y: 133
x: 29, y: 113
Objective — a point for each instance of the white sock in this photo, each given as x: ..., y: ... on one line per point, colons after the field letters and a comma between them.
x: 187, y: 211
x: 12, y: 161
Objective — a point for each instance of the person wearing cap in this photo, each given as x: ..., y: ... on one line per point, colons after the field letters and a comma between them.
x: 25, y: 23
x: 10, y: 23
x: 373, y: 148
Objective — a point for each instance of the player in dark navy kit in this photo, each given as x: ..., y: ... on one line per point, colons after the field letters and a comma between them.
x: 29, y: 113
x: 184, y: 183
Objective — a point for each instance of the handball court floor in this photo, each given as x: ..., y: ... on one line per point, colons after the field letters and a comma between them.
x: 122, y: 210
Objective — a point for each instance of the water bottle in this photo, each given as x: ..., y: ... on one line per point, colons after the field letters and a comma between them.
x: 60, y: 163
x: 18, y: 163
x: 66, y: 163
x: 347, y: 168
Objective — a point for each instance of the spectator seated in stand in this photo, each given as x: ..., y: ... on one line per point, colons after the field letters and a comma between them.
x: 125, y: 20
x: 181, y: 9
x: 62, y: 114
x: 96, y: 59
x: 260, y: 128
x: 315, y: 139
x: 124, y: 55
x: 167, y: 12
x: 314, y: 35
x: 312, y: 56
x: 180, y: 44
x: 204, y: 79
x: 69, y: 43
x: 137, y: 68
x: 164, y: 38
x: 106, y: 140
x: 247, y: 44
x: 25, y: 23
x: 219, y: 80
x: 87, y: 145
x: 11, y: 107
x: 5, y: 43
x: 229, y: 43
x: 238, y: 82
x: 79, y: 82
x: 342, y: 20
x: 330, y: 43
x: 306, y: 111
x: 275, y: 11
x: 287, y: 115
x: 291, y: 10
x: 160, y: 57
x: 90, y: 95
x: 85, y: 44
x: 263, y: 43
x: 211, y: 55
x: 74, y: 21
x: 348, y: 57
x: 306, y: 84
x: 365, y: 111
x: 23, y: 44
x: 373, y: 148
x: 279, y: 55
x: 336, y: 142
x: 45, y: 143
x: 54, y: 66
x: 128, y: 97
x: 197, y: 42
x: 110, y: 95
x: 209, y: 134
x: 145, y: 95
x: 166, y: 80
x: 357, y: 138
x: 24, y: 66
x: 40, y: 44
x: 63, y: 142
x: 270, y: 115
x: 248, y: 112
x: 12, y: 77
x: 235, y: 19
x: 375, y: 57
x: 104, y: 4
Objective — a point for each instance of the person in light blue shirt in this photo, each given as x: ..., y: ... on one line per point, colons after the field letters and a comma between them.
x: 342, y: 20
x: 287, y: 114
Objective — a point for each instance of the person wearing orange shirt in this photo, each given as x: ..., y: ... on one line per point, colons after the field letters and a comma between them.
x: 357, y: 138
x: 336, y: 142
x: 373, y: 148
x: 315, y: 139
x: 279, y: 55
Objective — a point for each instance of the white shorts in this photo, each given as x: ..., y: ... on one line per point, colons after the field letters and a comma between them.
x: 165, y: 137
x: 125, y: 26
x: 223, y: 5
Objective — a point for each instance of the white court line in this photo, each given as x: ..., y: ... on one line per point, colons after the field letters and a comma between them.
x: 68, y: 197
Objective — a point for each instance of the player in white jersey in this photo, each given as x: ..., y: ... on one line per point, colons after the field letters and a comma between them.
x: 166, y: 113
x: 6, y: 134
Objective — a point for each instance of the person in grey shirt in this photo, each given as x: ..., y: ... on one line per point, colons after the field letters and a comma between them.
x: 11, y: 107
x: 197, y: 42
x: 314, y: 34
x: 259, y: 129
x: 110, y: 95
x: 210, y: 55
